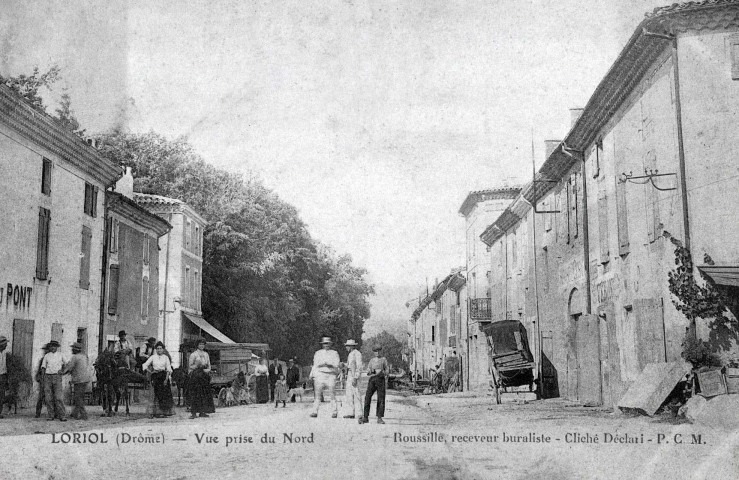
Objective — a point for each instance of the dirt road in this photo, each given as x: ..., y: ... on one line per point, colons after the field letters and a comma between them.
x: 426, y: 437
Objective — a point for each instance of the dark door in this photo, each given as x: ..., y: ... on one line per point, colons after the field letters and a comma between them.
x: 23, y: 341
x: 588, y: 360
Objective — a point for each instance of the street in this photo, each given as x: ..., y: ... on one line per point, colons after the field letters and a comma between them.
x: 453, y: 436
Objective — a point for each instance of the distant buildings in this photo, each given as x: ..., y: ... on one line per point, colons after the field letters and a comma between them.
x: 132, y: 267
x: 181, y: 275
x: 581, y: 255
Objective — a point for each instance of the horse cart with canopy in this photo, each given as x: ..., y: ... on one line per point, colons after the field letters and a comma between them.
x: 227, y: 360
x: 511, y: 361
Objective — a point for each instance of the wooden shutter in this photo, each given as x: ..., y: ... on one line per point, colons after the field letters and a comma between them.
x: 42, y: 246
x: 85, y: 258
x: 46, y: 177
x: 650, y: 331
x: 23, y: 341
x: 548, y: 216
x: 113, y: 290
x: 575, y: 212
x: 145, y: 297
x: 622, y: 218
x: 603, y: 225
x: 57, y: 332
x: 567, y: 206
x: 94, y: 208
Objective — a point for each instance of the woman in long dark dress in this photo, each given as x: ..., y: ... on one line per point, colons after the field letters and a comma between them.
x: 201, y: 396
x: 160, y: 380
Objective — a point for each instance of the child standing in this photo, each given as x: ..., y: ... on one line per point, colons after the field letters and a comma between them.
x: 281, y: 391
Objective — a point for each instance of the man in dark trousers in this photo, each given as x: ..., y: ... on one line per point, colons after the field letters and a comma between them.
x: 377, y: 369
x: 272, y: 380
x: 292, y: 376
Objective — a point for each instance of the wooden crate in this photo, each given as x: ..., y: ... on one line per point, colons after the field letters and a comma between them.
x: 712, y: 383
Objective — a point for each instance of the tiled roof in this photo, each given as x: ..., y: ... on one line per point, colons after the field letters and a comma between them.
x: 473, y: 198
x: 453, y: 281
x: 132, y: 210
x: 41, y: 128
x: 635, y: 60
x: 149, y: 199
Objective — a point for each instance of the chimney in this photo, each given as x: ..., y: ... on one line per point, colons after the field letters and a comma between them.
x: 575, y: 115
x: 549, y: 147
x: 124, y: 185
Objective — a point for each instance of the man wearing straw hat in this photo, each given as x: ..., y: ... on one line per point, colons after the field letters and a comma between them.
x: 3, y: 371
x: 79, y: 367
x: 354, y: 366
x: 325, y: 368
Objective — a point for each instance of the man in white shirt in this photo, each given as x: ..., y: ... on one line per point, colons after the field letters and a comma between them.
x: 354, y: 366
x: 52, y: 367
x: 3, y: 371
x: 125, y: 347
x: 325, y: 368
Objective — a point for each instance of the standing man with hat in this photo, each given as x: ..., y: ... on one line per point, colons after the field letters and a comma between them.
x: 146, y: 350
x: 378, y: 370
x: 125, y: 348
x: 3, y: 371
x: 325, y: 368
x: 40, y: 379
x: 354, y: 366
x: 292, y: 376
x: 79, y: 367
x: 52, y: 367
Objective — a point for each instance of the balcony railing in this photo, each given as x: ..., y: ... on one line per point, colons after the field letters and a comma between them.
x: 480, y: 309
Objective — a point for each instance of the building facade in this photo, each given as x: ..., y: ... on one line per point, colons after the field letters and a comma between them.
x: 132, y: 267
x: 479, y: 210
x: 180, y: 275
x: 52, y: 242
x: 639, y: 169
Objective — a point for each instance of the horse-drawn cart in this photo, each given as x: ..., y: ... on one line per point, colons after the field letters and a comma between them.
x: 511, y: 362
x: 227, y: 360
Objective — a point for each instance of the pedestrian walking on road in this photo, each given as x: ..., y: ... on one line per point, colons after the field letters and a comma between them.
x: 292, y: 376
x: 325, y: 368
x: 201, y: 396
x: 40, y: 379
x: 161, y: 376
x: 79, y: 368
x: 354, y: 371
x: 280, y: 390
x: 377, y: 368
x: 3, y: 371
x: 52, y: 367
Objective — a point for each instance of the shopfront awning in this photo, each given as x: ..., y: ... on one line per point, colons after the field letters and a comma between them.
x: 722, y: 274
x: 208, y: 328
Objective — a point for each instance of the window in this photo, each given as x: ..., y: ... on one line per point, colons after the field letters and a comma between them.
x: 113, y: 232
x: 575, y: 212
x: 622, y: 223
x: 145, y: 298
x: 113, y: 290
x: 734, y: 53
x: 91, y: 199
x: 196, y: 291
x: 42, y: 247
x: 146, y: 250
x: 186, y: 289
x: 197, y: 240
x: 46, y: 177
x: 187, y: 234
x: 597, y: 154
x: 547, y: 204
x: 603, y: 225
x: 85, y: 258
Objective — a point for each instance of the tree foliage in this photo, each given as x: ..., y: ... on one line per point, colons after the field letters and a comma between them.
x: 264, y: 278
x: 392, y: 349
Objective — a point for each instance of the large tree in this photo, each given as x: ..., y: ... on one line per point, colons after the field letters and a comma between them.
x: 264, y: 278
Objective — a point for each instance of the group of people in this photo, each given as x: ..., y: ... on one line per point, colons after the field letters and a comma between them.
x: 326, y: 368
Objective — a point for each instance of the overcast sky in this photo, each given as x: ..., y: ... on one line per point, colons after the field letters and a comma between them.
x: 375, y: 119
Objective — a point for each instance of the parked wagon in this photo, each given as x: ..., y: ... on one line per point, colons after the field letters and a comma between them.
x: 227, y: 360
x: 511, y: 362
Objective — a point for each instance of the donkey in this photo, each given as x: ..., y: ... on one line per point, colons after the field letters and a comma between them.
x: 113, y: 378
